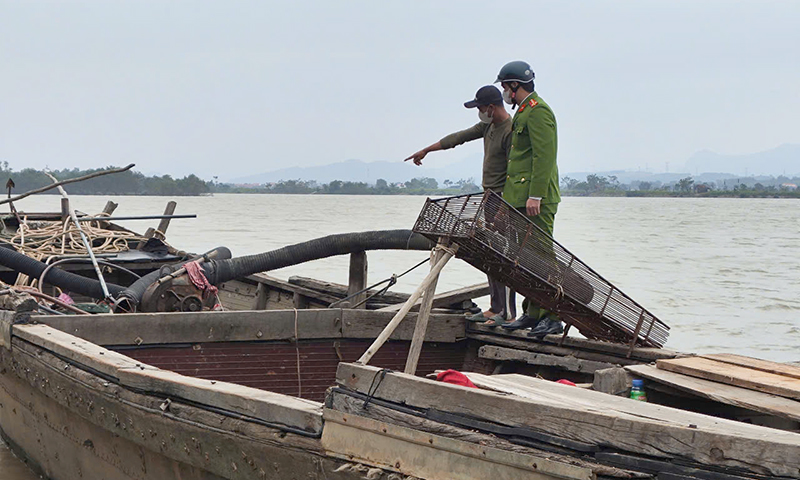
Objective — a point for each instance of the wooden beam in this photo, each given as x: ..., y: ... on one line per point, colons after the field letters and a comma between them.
x: 613, y: 349
x: 6, y: 321
x: 719, y: 392
x: 446, y: 328
x: 448, y: 298
x: 613, y: 381
x: 645, y: 428
x: 387, y: 332
x: 339, y: 290
x: 198, y: 327
x: 357, y: 278
x: 756, y: 364
x: 348, y: 404
x: 279, y: 284
x: 734, y: 375
x: 271, y: 407
x: 433, y: 457
x: 526, y: 343
x: 569, y: 363
x: 421, y: 325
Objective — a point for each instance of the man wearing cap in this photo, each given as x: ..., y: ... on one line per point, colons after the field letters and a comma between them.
x: 532, y: 179
x: 495, y: 130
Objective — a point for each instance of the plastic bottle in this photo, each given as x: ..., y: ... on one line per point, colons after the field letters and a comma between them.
x: 637, y: 391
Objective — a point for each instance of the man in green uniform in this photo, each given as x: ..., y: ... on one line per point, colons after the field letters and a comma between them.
x: 495, y: 130
x: 532, y: 178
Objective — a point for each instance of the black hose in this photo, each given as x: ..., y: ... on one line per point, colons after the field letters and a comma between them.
x: 129, y: 298
x: 220, y: 271
x: 64, y: 280
x: 83, y: 260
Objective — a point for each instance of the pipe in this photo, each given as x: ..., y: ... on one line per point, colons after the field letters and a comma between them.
x: 220, y: 271
x: 64, y: 280
x: 83, y: 260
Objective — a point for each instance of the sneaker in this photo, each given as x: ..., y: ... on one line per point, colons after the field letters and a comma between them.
x: 540, y: 327
x: 552, y: 327
x: 523, y: 321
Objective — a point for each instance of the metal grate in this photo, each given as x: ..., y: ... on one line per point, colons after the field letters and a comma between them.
x: 496, y: 238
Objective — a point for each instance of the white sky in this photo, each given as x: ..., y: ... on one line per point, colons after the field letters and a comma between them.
x: 231, y: 87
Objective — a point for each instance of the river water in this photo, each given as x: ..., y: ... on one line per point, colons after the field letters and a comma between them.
x: 723, y: 273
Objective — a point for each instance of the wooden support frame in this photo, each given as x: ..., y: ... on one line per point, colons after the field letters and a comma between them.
x: 387, y: 332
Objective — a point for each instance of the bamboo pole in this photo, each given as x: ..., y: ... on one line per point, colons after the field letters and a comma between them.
x: 424, y: 314
x: 390, y: 328
x: 65, y: 182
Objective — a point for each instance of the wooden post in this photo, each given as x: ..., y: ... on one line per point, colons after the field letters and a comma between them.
x: 262, y: 295
x: 424, y: 313
x: 390, y: 328
x: 164, y: 223
x: 64, y: 209
x: 300, y: 301
x: 108, y: 210
x: 358, y: 278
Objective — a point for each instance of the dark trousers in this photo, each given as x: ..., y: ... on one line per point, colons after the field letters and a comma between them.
x: 546, y: 221
x: 498, y: 295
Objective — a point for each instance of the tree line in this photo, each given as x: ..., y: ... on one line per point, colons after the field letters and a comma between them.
x: 124, y: 183
x: 598, y: 185
x: 415, y: 186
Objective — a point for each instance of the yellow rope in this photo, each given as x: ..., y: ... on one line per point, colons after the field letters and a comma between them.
x: 40, y: 240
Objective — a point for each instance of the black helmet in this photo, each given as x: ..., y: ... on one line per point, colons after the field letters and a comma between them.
x: 517, y: 71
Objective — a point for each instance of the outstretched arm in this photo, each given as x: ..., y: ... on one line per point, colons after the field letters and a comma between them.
x: 454, y: 139
x: 417, y: 157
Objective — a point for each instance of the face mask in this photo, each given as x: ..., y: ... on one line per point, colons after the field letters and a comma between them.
x: 507, y: 97
x: 484, y: 117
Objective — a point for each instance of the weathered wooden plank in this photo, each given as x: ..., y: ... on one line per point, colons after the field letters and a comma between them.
x: 612, y: 349
x: 734, y: 375
x: 274, y: 408
x: 784, y: 369
x: 526, y: 343
x: 273, y: 282
x: 198, y: 327
x: 370, y: 323
x: 649, y: 429
x: 348, y: 404
x: 613, y: 381
x: 6, y: 321
x: 718, y: 392
x: 421, y: 324
x: 434, y: 457
x: 207, y: 444
x: 448, y: 298
x: 77, y: 349
x: 569, y: 363
x: 341, y: 290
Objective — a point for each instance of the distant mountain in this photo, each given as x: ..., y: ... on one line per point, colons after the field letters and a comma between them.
x: 369, y: 172
x: 784, y: 158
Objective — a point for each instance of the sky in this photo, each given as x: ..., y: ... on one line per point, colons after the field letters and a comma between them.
x: 237, y: 87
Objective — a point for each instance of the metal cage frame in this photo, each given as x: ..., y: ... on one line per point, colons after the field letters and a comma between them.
x: 498, y: 239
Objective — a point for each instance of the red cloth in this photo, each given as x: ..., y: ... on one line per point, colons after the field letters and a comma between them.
x: 455, y: 377
x: 566, y: 382
x: 199, y: 279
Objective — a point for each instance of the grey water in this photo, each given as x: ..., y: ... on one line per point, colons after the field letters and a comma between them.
x: 723, y: 273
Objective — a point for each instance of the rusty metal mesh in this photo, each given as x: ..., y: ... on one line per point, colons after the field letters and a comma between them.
x: 496, y: 238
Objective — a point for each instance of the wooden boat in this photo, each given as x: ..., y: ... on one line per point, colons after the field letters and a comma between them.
x: 273, y: 388
x: 247, y: 394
